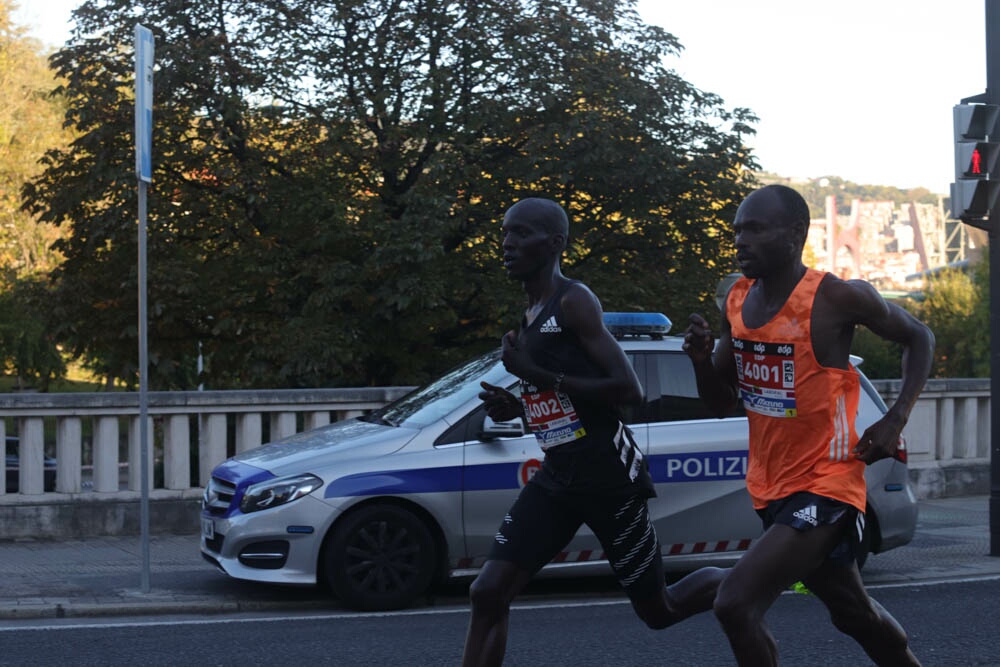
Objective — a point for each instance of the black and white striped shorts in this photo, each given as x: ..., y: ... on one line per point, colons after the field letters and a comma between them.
x: 542, y: 522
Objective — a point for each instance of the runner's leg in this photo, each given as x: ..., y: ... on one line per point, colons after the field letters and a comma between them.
x: 775, y: 561
x: 691, y: 595
x: 629, y: 541
x: 694, y: 593
x: 535, y: 529
x: 491, y: 593
x: 854, y: 613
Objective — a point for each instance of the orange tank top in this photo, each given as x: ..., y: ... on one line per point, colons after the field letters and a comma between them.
x: 801, y: 414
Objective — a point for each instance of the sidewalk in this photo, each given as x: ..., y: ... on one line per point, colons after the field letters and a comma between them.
x: 103, y: 576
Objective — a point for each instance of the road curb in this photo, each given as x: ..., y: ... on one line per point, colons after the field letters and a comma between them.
x: 113, y: 608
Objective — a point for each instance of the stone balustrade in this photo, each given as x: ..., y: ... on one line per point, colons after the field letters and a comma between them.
x: 94, y: 438
x: 947, y: 436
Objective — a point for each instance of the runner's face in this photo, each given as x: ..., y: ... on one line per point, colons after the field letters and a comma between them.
x: 765, y: 236
x: 527, y: 246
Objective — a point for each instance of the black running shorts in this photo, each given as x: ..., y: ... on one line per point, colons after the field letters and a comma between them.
x: 803, y: 511
x: 542, y: 522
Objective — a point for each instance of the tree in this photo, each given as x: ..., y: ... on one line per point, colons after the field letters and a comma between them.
x: 881, y: 357
x: 955, y: 305
x: 30, y: 123
x: 956, y: 308
x: 329, y: 179
x: 27, y: 349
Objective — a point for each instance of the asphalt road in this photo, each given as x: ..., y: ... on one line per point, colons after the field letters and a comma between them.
x: 950, y: 625
x: 101, y: 576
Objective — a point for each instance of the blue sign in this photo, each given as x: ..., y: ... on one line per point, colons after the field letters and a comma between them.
x: 144, y: 103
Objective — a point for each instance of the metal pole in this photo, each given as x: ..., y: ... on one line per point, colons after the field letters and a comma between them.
x: 993, y: 97
x: 144, y: 174
x: 143, y: 394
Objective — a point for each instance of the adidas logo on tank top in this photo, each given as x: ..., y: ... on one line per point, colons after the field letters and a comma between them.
x: 550, y: 326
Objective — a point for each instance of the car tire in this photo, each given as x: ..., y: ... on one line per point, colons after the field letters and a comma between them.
x: 379, y: 557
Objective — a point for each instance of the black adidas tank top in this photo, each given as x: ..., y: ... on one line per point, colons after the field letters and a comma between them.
x: 582, y: 439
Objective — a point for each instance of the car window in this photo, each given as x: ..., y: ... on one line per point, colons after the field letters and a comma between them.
x: 671, y: 391
x: 430, y: 403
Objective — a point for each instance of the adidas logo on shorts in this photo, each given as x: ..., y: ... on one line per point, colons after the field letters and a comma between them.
x: 807, y: 514
x: 550, y: 326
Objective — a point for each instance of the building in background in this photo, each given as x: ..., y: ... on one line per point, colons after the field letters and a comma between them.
x: 892, y: 246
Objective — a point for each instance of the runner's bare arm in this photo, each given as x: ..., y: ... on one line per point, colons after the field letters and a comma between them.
x: 583, y: 314
x: 714, y: 369
x: 864, y: 305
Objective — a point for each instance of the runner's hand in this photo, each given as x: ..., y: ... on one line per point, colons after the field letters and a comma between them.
x: 880, y: 440
x: 514, y: 358
x: 501, y: 405
x: 698, y: 339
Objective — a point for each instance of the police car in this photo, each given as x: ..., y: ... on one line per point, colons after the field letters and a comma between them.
x: 381, y: 507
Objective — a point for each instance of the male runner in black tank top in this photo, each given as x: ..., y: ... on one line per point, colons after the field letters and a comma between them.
x: 573, y: 376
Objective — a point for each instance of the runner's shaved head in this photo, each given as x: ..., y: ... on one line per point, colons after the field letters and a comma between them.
x: 544, y: 213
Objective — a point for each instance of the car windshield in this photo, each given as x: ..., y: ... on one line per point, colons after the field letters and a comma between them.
x: 435, y: 400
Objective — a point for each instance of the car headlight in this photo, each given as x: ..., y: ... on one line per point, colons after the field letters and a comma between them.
x: 278, y: 491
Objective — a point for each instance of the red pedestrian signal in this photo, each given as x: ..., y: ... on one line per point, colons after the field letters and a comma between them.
x: 977, y: 186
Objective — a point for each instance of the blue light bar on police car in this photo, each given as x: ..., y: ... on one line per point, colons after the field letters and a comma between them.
x: 637, y: 324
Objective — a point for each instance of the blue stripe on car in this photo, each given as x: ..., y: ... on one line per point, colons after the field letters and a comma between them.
x: 240, y: 474
x: 426, y: 480
x: 664, y: 468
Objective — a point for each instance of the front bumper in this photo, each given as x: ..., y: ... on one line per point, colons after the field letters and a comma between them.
x: 279, y: 545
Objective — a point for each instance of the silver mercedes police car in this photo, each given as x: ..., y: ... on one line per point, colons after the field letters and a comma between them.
x: 380, y: 507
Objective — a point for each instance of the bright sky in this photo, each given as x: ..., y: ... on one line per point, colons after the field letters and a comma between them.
x: 861, y: 89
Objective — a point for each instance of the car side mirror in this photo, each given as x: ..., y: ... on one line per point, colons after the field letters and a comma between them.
x: 492, y: 430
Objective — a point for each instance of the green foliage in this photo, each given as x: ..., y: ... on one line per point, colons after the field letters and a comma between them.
x: 27, y: 349
x: 956, y: 308
x: 329, y: 180
x: 30, y: 122
x: 882, y: 358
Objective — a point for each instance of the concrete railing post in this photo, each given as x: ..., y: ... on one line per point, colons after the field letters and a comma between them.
x: 106, y: 454
x: 315, y: 420
x: 211, y: 445
x: 177, y: 452
x: 32, y: 460
x: 282, y: 425
x: 248, y: 431
x: 69, y: 454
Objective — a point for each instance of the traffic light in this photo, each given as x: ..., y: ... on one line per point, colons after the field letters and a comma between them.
x: 977, y: 181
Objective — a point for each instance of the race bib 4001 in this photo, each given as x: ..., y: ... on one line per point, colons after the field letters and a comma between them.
x: 766, y: 374
x: 552, y: 418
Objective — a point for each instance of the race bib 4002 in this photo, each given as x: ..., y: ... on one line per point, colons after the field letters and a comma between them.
x: 552, y: 418
x: 766, y: 374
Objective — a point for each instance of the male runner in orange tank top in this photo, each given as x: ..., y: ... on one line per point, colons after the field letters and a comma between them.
x: 783, y: 350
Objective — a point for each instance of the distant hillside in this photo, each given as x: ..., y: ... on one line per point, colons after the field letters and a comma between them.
x: 816, y: 190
